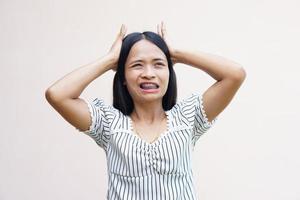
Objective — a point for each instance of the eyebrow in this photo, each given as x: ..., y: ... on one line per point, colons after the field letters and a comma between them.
x: 139, y: 60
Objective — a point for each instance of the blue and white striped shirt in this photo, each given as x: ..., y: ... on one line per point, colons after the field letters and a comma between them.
x: 138, y: 170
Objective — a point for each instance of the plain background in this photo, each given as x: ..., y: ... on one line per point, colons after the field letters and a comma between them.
x: 252, y: 151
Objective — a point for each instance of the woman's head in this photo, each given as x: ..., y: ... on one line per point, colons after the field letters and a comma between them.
x: 144, y: 57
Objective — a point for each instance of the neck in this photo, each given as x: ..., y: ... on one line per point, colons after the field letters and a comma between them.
x: 148, y: 112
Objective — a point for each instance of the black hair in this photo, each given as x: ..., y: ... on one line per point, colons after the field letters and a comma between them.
x: 121, y: 97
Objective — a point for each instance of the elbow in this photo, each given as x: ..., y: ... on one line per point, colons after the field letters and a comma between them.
x: 239, y: 74
x: 50, y: 95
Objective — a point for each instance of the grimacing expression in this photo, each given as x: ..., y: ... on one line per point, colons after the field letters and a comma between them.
x: 146, y: 72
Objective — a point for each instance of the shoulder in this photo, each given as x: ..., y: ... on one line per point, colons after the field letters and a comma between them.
x: 189, y: 102
x: 100, y: 103
x: 102, y: 110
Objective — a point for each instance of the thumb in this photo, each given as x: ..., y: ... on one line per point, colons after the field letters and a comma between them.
x: 122, y: 31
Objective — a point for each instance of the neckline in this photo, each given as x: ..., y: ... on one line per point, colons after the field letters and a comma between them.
x: 162, y: 134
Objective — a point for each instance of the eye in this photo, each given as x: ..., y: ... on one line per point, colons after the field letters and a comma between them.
x: 136, y: 65
x: 160, y: 64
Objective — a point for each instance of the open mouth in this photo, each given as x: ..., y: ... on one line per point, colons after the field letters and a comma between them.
x: 149, y: 86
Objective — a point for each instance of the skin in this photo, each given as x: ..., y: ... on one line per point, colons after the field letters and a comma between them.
x: 148, y: 114
x: 142, y: 66
x: 147, y: 63
x: 228, y: 74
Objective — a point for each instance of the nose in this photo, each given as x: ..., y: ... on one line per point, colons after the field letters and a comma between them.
x: 148, y: 72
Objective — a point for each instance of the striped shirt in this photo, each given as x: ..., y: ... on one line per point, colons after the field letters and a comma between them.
x: 139, y: 170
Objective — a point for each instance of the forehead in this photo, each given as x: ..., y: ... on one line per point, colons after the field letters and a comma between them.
x: 144, y: 50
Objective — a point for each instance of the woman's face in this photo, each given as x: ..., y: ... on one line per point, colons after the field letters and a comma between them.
x: 146, y: 72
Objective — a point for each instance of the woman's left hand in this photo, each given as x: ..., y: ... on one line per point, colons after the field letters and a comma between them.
x: 161, y: 30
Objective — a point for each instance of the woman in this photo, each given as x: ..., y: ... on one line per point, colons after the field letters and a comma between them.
x: 147, y: 136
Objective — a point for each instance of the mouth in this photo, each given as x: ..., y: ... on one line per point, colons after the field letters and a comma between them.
x: 149, y: 86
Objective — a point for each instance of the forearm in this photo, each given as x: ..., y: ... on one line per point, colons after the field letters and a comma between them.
x: 217, y: 67
x: 72, y: 84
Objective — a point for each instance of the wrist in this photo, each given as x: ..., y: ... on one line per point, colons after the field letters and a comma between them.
x: 175, y: 55
x: 110, y: 61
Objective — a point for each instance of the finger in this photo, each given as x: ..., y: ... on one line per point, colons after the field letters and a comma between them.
x: 119, y: 33
x: 163, y: 29
x: 122, y: 31
x: 159, y: 30
x: 163, y: 25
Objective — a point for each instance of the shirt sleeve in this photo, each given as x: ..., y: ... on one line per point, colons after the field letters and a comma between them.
x: 195, y: 113
x: 101, y: 115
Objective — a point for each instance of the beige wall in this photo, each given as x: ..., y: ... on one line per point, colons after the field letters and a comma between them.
x: 252, y: 152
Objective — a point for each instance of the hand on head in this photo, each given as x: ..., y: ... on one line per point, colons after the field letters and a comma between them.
x: 115, y: 49
x: 161, y: 30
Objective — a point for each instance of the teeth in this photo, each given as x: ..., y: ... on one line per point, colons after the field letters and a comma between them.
x: 148, y: 86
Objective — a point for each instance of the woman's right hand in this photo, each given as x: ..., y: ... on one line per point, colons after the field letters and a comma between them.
x: 115, y: 49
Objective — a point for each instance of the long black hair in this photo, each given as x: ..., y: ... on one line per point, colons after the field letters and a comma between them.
x: 121, y: 97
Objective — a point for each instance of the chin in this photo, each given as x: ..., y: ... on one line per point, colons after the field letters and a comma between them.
x: 151, y: 98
